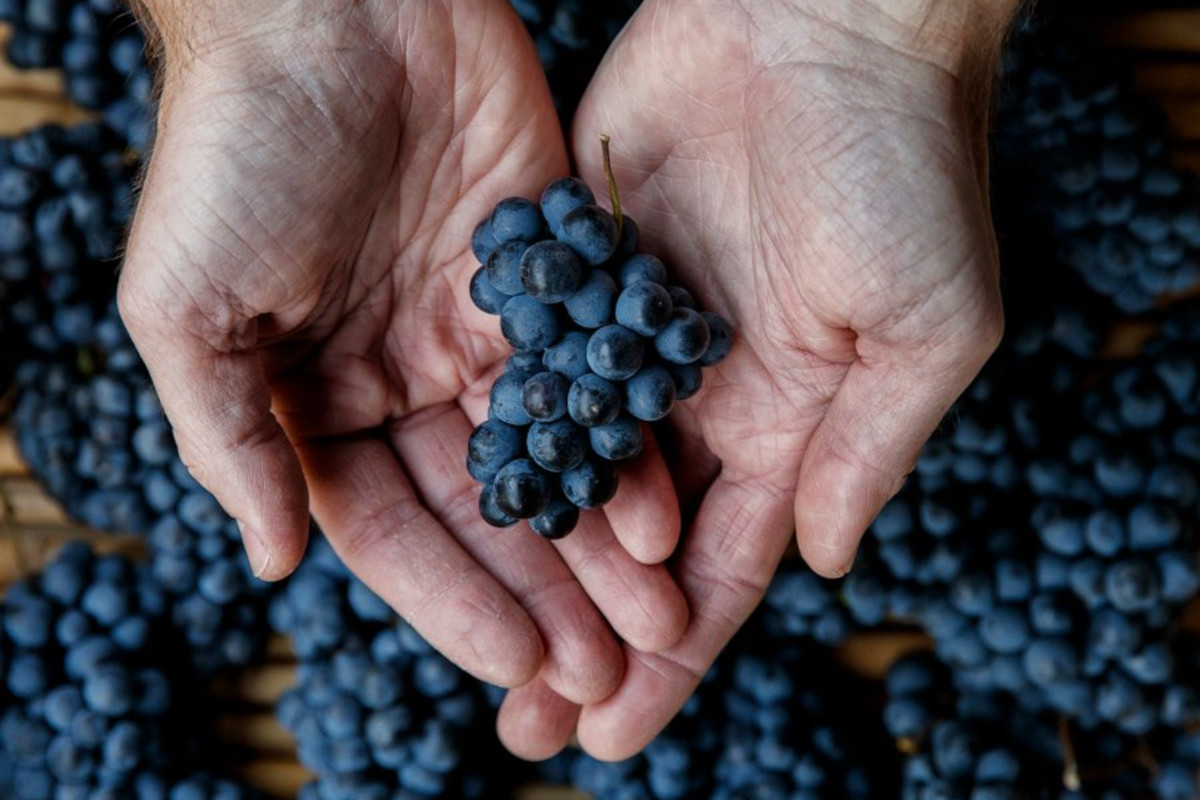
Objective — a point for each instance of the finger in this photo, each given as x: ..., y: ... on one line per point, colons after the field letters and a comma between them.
x: 866, y: 444
x: 644, y: 513
x: 219, y: 406
x: 641, y: 601
x: 535, y: 722
x: 727, y: 560
x: 583, y: 661
x: 367, y: 508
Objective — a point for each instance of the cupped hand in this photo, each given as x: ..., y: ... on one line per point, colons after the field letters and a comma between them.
x: 820, y: 182
x: 297, y: 281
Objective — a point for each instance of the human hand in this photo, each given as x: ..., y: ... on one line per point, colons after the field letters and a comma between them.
x: 296, y: 280
x: 816, y: 171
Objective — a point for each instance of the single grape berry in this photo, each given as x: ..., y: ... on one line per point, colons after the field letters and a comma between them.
x: 650, y: 393
x: 486, y: 297
x: 592, y: 400
x: 568, y: 356
x: 557, y: 520
x: 687, y: 378
x: 641, y: 267
x: 504, y: 267
x: 685, y: 337
x: 544, y: 396
x: 562, y: 196
x: 492, y: 445
x: 592, y: 304
x: 491, y: 512
x: 550, y: 271
x: 506, y: 399
x: 528, y: 324
x: 617, y: 440
x: 644, y: 307
x: 591, y: 232
x: 516, y: 218
x: 522, y: 489
x: 615, y: 352
x: 556, y: 446
x: 720, y: 339
x: 483, y: 242
x: 591, y: 484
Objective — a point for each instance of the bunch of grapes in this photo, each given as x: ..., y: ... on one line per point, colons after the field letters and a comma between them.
x: 603, y: 343
x: 100, y: 51
x: 1092, y: 157
x: 65, y: 196
x: 96, y: 702
x: 92, y: 431
x: 376, y: 711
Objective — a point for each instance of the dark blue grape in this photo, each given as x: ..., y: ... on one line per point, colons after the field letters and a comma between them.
x: 561, y: 196
x: 503, y: 267
x: 593, y: 303
x: 617, y: 440
x: 614, y: 352
x: 644, y: 308
x: 592, y: 400
x: 555, y: 521
x: 720, y: 339
x: 641, y: 267
x: 544, y: 396
x: 568, y: 356
x: 556, y: 446
x: 484, y: 295
x: 522, y: 489
x: 528, y: 324
x: 590, y: 231
x: 550, y: 271
x: 590, y: 484
x: 516, y: 219
x: 650, y: 393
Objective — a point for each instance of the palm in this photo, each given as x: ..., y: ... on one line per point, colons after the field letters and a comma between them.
x: 324, y: 254
x: 835, y: 212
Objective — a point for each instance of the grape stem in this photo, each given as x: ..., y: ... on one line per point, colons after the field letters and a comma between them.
x: 613, y: 195
x: 1070, y: 777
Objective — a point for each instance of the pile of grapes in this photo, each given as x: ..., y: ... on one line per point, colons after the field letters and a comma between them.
x: 602, y: 341
x: 1039, y: 561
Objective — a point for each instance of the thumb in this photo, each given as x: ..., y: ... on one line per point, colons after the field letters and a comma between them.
x: 218, y: 402
x: 870, y: 437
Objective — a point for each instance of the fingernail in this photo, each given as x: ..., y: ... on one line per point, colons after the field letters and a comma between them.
x: 256, y: 550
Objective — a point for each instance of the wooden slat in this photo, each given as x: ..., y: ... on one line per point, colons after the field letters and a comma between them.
x: 45, y: 84
x: 1183, y: 118
x: 546, y: 792
x: 11, y: 463
x: 276, y: 778
x: 1172, y: 79
x: 870, y: 654
x: 258, y: 684
x: 29, y: 504
x: 21, y: 113
x: 255, y: 731
x: 1167, y: 30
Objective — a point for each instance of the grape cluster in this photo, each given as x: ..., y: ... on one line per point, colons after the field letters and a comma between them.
x: 65, y: 196
x: 377, y: 712
x: 1093, y: 159
x: 774, y: 717
x: 603, y: 343
x: 93, y: 432
x: 96, y: 702
x: 571, y: 37
x: 100, y: 51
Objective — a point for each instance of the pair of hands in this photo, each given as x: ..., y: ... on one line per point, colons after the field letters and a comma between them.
x: 296, y: 279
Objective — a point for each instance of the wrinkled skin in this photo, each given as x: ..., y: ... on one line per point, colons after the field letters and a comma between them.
x: 825, y: 193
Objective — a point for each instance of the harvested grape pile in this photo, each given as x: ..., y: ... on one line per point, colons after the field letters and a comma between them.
x: 1044, y: 549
